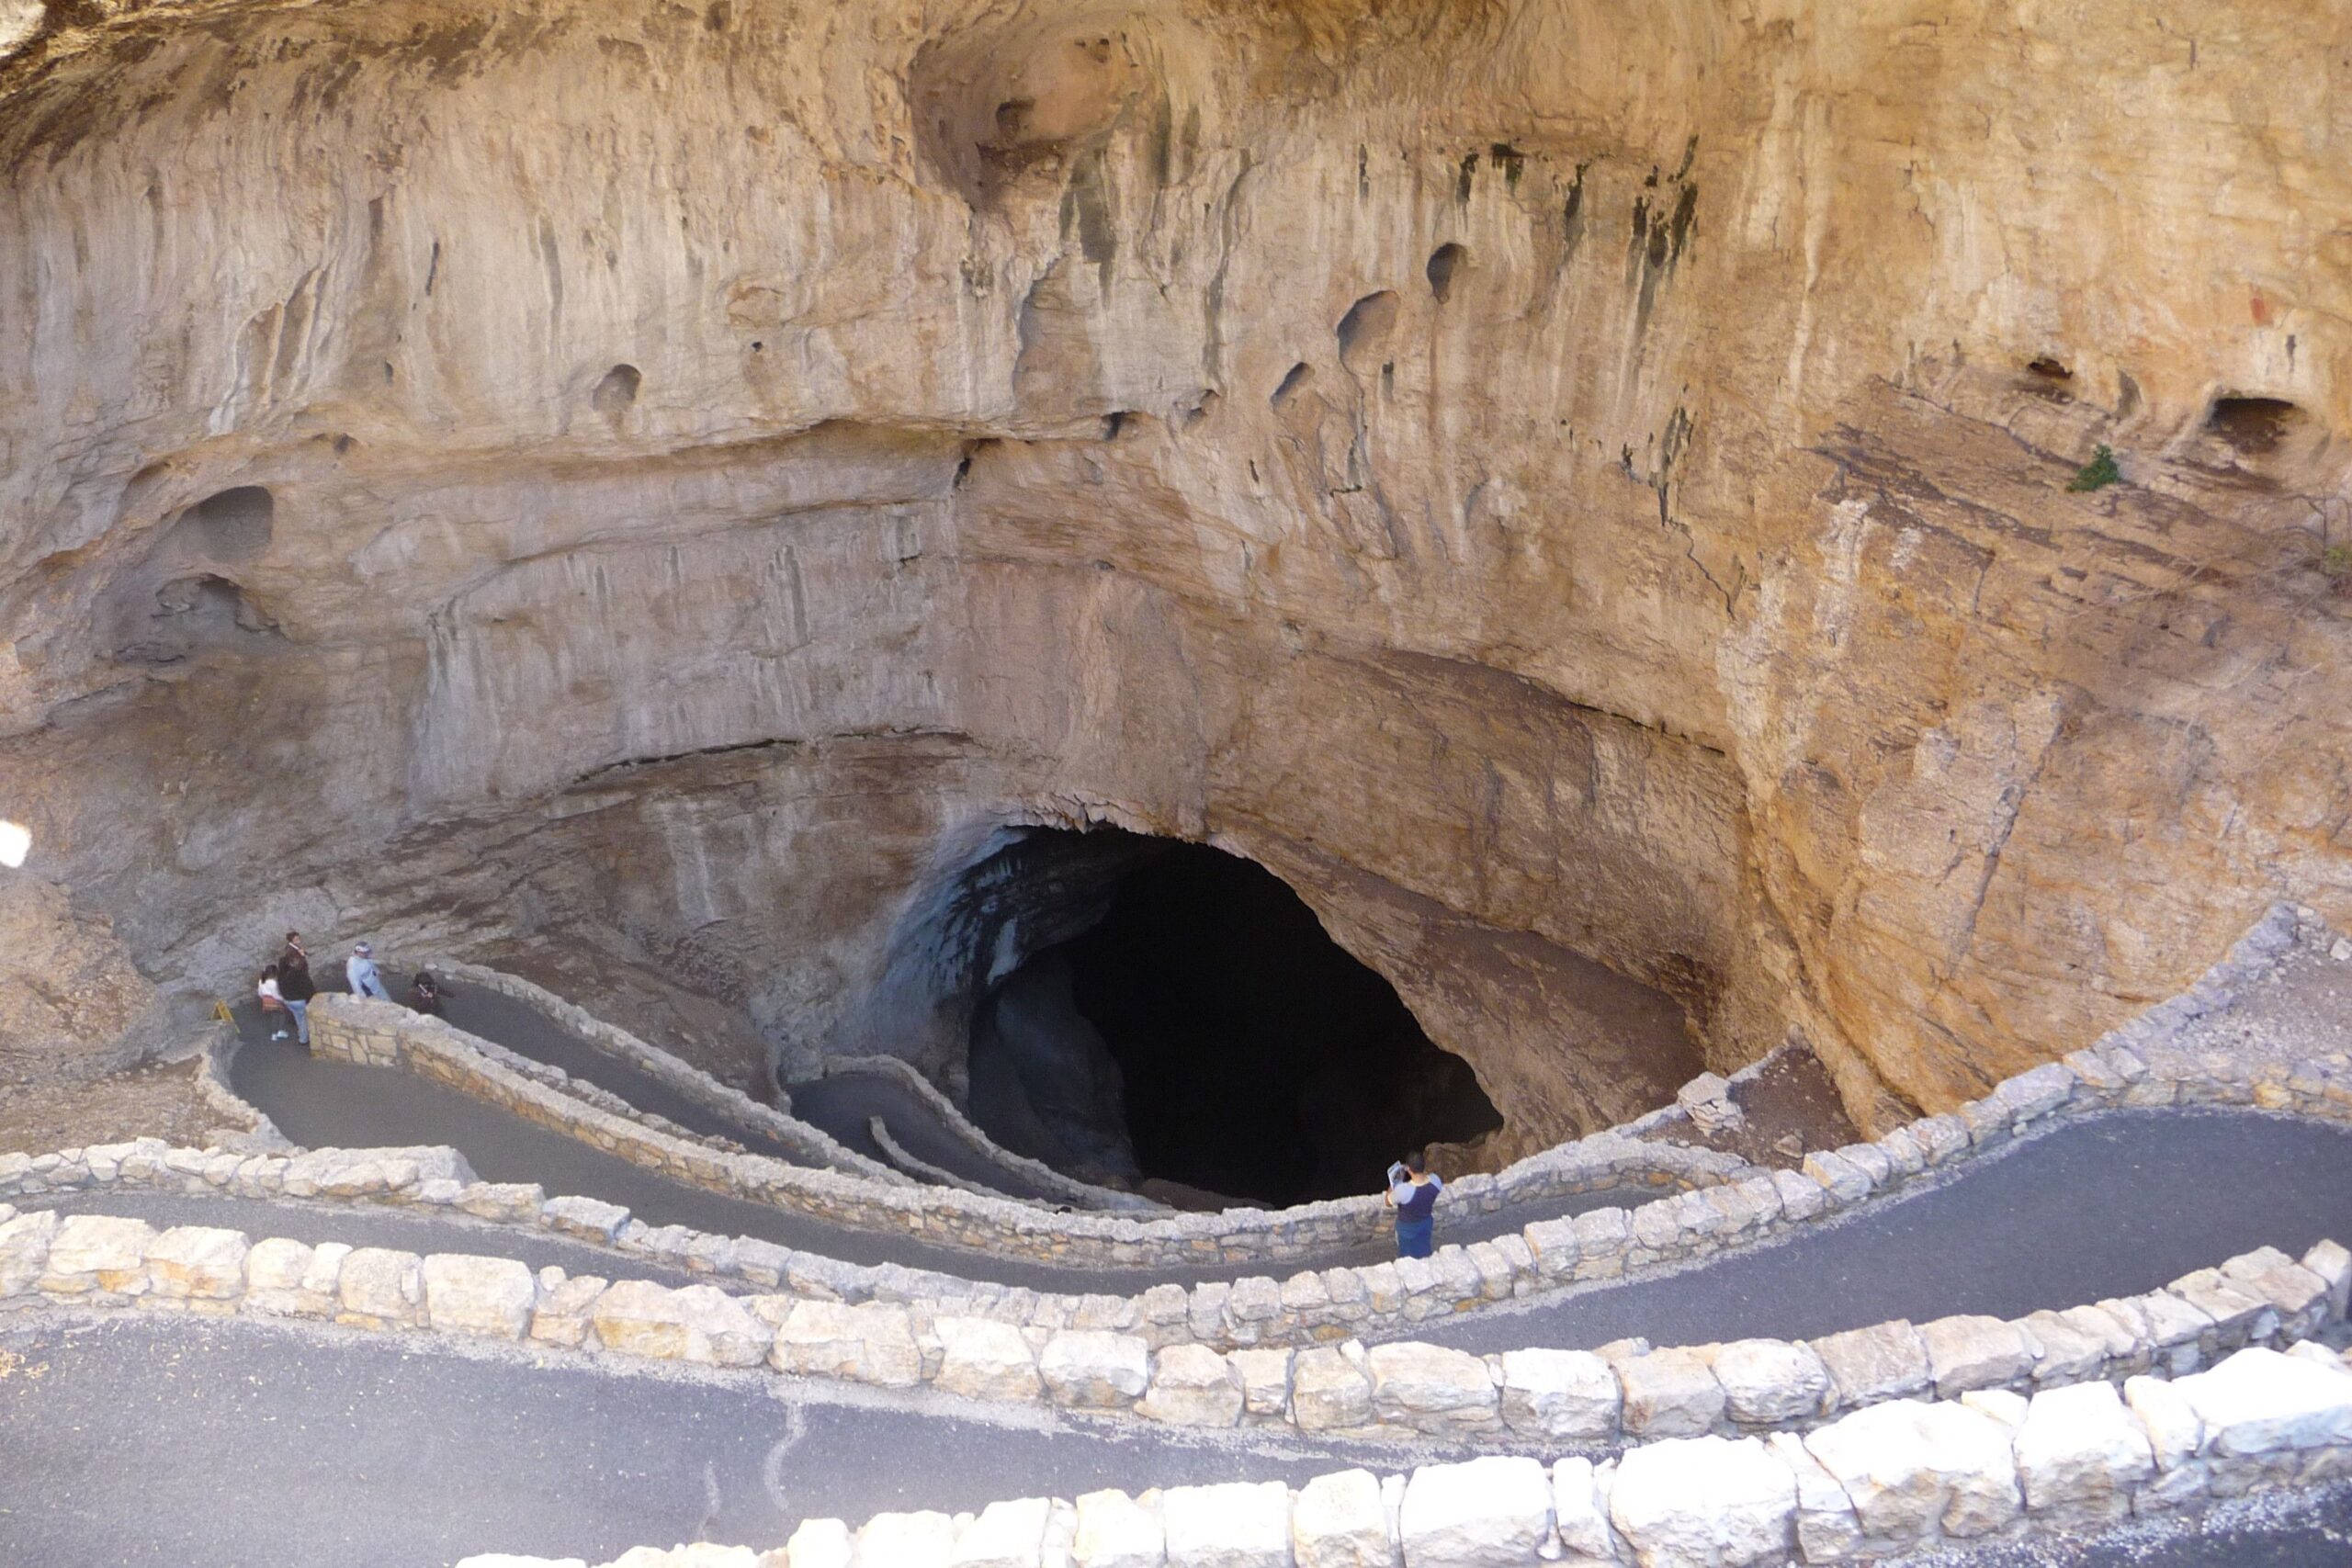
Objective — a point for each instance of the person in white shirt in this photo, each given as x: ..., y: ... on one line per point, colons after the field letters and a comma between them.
x: 273, y: 1005
x: 360, y: 969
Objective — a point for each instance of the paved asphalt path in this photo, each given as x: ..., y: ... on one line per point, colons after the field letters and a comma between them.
x: 329, y: 1104
x: 2108, y: 1206
x: 195, y: 1443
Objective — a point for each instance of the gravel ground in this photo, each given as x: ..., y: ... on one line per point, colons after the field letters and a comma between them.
x: 154, y: 1102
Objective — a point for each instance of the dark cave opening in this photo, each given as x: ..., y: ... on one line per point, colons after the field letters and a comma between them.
x: 1240, y: 1050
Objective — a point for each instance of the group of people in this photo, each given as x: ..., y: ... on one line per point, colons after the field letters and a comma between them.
x: 286, y: 987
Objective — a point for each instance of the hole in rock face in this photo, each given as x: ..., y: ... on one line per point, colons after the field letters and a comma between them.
x: 1444, y: 261
x: 2252, y: 425
x: 617, y: 391
x: 234, y: 525
x: 1201, y: 1027
x: 1363, y: 332
x: 1297, y: 375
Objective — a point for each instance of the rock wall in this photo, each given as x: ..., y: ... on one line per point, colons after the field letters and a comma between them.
x: 1562, y: 484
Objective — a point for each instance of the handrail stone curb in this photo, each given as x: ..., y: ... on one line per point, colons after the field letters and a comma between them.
x: 807, y: 1141
x: 1331, y: 1304
x: 967, y: 1133
x: 383, y: 1034
x: 1350, y: 1301
x: 1595, y: 1401
x: 1894, y: 1479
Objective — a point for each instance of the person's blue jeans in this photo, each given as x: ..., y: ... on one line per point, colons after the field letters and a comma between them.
x: 1415, y: 1237
x: 301, y: 1011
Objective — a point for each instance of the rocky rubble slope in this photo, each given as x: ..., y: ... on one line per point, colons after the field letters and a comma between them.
x: 1579, y: 489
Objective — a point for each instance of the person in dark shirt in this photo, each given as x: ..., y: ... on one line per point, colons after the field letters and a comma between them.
x: 425, y: 993
x: 295, y: 985
x: 1412, y: 1192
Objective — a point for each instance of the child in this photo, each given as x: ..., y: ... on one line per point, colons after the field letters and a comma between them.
x: 271, y: 1001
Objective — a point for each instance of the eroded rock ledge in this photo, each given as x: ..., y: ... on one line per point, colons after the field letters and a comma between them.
x: 1560, y: 485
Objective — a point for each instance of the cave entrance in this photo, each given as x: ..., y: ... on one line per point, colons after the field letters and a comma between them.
x: 1205, y: 1030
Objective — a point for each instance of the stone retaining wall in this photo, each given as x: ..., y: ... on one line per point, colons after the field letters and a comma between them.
x: 1595, y: 1401
x: 1067, y: 1188
x: 384, y: 1035
x: 1309, y: 1307
x: 1898, y: 1478
x: 2147, y: 1063
x: 808, y: 1144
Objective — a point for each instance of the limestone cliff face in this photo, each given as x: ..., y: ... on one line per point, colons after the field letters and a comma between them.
x: 1575, y: 487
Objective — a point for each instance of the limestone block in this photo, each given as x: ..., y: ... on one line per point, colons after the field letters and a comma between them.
x: 2118, y: 1348
x: 1254, y: 1300
x: 2333, y: 1263
x: 818, y: 1543
x: 1005, y: 1535
x: 2035, y: 1093
x: 566, y: 1308
x: 1703, y: 1502
x: 1571, y: 1395
x: 24, y: 1250
x: 873, y: 1342
x: 637, y: 1317
x: 2176, y: 1331
x: 2259, y: 1402
x: 2063, y: 1352
x: 1554, y: 1243
x: 720, y: 1330
x: 1885, y: 1361
x: 1488, y: 1513
x: 1766, y: 1382
x: 1431, y: 1389
x: 1602, y: 1237
x: 1970, y: 1352
x: 904, y: 1540
x: 2237, y: 1315
x: 1329, y: 1391
x: 2174, y: 1430
x: 1669, y: 1393
x: 197, y: 1263
x: 518, y: 1202
x: 1912, y: 1469
x: 465, y: 1294
x: 1265, y: 1380
x: 1827, y: 1530
x: 380, y: 1288
x: 588, y: 1218
x: 1339, y: 1522
x: 981, y: 1358
x: 2299, y: 1295
x: 1580, y: 1515
x: 1115, y: 1530
x: 1801, y: 1198
x: 2080, y: 1455
x: 1844, y: 1181
x: 98, y: 1252
x: 1191, y: 1386
x: 274, y: 1270
x: 1238, y: 1525
x: 1093, y: 1369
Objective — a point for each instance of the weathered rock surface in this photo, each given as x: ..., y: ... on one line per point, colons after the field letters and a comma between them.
x: 1632, y: 549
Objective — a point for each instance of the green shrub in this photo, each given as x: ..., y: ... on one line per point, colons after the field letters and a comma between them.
x: 2098, y: 473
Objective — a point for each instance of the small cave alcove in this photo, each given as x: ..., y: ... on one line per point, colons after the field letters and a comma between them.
x: 1201, y: 1029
